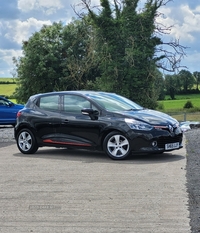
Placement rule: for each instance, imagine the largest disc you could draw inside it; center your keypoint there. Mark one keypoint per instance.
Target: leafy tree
(40, 69)
(187, 80)
(159, 85)
(80, 65)
(56, 58)
(127, 46)
(117, 49)
(196, 75)
(172, 85)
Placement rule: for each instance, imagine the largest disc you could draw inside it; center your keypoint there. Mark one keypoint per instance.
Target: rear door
(46, 117)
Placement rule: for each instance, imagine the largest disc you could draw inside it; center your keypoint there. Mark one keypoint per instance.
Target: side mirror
(93, 114)
(10, 104)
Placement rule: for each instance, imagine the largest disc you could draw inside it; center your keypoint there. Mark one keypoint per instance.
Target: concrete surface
(57, 190)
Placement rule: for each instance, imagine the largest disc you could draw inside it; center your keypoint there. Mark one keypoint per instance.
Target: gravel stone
(6, 135)
(193, 177)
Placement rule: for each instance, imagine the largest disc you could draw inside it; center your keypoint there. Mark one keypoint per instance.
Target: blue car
(8, 111)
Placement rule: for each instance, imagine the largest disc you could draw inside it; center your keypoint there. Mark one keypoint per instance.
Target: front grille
(165, 140)
(168, 128)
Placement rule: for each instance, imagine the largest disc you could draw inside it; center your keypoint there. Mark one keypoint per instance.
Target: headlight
(139, 125)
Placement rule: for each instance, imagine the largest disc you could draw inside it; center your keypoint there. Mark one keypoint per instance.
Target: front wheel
(116, 146)
(26, 142)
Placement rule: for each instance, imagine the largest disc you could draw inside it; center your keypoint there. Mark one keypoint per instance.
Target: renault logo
(170, 128)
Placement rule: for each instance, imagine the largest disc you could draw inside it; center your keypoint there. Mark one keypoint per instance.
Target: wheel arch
(24, 126)
(109, 131)
(26, 141)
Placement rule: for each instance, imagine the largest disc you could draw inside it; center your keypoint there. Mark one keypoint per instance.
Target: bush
(188, 104)
(160, 106)
(7, 82)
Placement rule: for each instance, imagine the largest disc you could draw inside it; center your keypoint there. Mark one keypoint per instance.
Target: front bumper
(155, 141)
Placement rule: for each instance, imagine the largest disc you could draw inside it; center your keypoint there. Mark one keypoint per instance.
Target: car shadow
(86, 156)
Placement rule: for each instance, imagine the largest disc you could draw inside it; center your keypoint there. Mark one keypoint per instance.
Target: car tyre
(26, 142)
(116, 146)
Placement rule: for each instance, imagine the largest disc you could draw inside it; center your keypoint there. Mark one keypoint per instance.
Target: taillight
(19, 114)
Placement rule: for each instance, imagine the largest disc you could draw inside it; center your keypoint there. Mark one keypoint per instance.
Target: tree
(127, 46)
(80, 64)
(187, 80)
(56, 58)
(196, 75)
(40, 69)
(172, 85)
(159, 85)
(117, 49)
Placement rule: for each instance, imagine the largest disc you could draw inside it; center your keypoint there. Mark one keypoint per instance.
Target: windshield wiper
(133, 109)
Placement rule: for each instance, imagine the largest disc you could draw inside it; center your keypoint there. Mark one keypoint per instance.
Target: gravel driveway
(193, 177)
(193, 169)
(6, 135)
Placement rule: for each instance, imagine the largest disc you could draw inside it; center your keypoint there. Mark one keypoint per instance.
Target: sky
(19, 19)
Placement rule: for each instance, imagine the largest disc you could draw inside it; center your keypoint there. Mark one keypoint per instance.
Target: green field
(176, 108)
(7, 79)
(178, 104)
(7, 89)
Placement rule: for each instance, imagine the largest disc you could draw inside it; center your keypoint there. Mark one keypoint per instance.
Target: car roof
(2, 97)
(82, 92)
(73, 91)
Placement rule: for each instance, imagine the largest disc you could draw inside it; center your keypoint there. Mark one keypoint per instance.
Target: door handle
(65, 121)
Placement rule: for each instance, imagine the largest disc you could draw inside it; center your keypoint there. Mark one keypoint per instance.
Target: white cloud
(25, 5)
(183, 20)
(191, 20)
(19, 31)
(92, 2)
(197, 10)
(49, 6)
(8, 54)
(7, 61)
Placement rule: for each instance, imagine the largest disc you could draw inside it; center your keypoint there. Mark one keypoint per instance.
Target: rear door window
(49, 103)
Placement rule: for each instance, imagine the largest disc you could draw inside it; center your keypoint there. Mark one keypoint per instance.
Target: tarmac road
(56, 190)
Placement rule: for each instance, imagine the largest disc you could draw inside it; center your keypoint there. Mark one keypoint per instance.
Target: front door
(77, 129)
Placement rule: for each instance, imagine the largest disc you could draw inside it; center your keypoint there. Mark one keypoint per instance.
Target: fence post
(185, 117)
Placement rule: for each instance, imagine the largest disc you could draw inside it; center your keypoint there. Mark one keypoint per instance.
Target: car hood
(151, 117)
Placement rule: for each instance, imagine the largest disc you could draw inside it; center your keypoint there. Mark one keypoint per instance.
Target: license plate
(171, 146)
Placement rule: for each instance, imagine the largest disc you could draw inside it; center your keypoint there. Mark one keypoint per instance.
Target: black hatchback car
(94, 120)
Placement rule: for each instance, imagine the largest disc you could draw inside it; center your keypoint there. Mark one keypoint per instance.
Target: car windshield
(5, 102)
(114, 102)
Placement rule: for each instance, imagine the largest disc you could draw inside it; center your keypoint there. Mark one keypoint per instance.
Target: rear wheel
(116, 145)
(26, 142)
